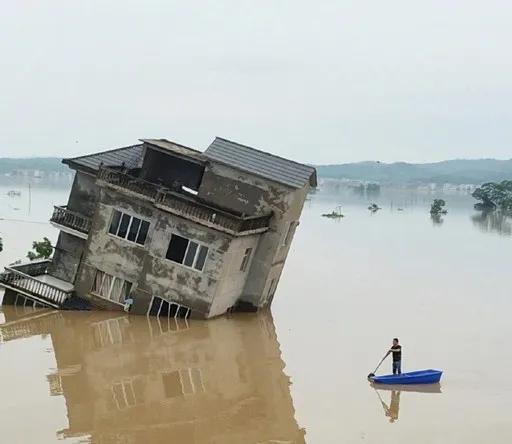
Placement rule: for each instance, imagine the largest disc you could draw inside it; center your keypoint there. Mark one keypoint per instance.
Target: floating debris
(334, 214)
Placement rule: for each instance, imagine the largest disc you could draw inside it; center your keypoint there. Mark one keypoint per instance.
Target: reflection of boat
(429, 376)
(391, 410)
(420, 388)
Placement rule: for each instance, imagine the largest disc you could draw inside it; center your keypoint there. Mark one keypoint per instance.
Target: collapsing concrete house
(162, 229)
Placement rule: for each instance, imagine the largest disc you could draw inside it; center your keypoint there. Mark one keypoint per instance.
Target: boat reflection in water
(135, 379)
(392, 410)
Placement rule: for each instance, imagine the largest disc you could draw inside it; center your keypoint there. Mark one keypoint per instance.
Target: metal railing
(186, 206)
(203, 213)
(24, 278)
(63, 216)
(128, 182)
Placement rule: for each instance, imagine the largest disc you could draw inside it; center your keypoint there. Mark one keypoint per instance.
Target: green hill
(459, 171)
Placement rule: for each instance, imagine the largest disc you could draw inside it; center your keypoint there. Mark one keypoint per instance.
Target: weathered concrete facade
(159, 228)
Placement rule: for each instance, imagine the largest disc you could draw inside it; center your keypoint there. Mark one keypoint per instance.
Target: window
(129, 227)
(187, 252)
(245, 259)
(110, 287)
(168, 309)
(289, 234)
(183, 382)
(128, 393)
(271, 290)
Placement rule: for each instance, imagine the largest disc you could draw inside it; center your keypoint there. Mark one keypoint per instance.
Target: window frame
(200, 246)
(287, 239)
(188, 311)
(112, 284)
(246, 259)
(132, 216)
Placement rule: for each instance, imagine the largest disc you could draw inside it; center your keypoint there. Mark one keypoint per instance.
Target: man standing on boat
(396, 349)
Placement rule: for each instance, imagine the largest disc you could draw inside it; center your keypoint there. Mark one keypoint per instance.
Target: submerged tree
(494, 195)
(437, 207)
(42, 249)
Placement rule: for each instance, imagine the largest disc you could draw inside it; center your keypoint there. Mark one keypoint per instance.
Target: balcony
(188, 207)
(70, 222)
(34, 283)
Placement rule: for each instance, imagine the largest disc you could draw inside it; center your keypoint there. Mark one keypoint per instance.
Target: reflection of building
(137, 379)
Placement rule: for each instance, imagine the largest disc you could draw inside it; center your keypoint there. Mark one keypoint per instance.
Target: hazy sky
(319, 81)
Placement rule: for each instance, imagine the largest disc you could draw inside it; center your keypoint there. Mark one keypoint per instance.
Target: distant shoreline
(458, 171)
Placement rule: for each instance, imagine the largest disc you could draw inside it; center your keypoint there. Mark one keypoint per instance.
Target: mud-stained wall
(67, 256)
(146, 266)
(232, 281)
(241, 192)
(249, 194)
(84, 194)
(273, 250)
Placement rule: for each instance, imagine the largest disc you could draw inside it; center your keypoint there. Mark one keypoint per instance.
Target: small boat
(429, 376)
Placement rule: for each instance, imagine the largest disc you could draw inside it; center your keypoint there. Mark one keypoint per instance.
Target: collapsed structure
(162, 229)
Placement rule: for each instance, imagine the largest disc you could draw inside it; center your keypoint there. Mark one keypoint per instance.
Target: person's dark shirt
(397, 352)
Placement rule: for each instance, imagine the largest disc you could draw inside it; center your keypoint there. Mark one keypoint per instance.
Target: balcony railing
(185, 206)
(27, 279)
(70, 219)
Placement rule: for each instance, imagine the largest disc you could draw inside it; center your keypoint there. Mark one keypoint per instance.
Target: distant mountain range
(9, 165)
(449, 171)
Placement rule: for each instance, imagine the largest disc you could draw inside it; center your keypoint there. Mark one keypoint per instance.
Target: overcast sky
(318, 81)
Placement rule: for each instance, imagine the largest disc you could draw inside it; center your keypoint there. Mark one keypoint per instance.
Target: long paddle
(371, 375)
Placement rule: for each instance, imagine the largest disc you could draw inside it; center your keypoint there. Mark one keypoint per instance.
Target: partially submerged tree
(42, 249)
(437, 207)
(494, 195)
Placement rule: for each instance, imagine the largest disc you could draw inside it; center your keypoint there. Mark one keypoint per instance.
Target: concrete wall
(67, 256)
(146, 266)
(232, 281)
(250, 194)
(69, 248)
(84, 194)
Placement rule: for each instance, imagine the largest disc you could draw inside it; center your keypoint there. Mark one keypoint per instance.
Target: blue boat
(429, 376)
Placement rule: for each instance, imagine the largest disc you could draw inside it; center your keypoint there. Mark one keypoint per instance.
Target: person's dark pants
(397, 367)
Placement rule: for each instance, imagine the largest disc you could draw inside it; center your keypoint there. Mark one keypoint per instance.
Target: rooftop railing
(70, 219)
(186, 206)
(128, 182)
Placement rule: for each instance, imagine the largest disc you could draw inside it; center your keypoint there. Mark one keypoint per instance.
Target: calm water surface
(298, 374)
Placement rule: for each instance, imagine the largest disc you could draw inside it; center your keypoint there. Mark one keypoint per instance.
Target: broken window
(186, 252)
(245, 259)
(168, 309)
(129, 227)
(110, 287)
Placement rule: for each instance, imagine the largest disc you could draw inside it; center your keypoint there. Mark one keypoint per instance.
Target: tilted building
(162, 229)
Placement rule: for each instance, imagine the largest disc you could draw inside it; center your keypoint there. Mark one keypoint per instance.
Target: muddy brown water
(296, 374)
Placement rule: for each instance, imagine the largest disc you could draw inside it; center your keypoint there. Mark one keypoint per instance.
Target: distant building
(162, 229)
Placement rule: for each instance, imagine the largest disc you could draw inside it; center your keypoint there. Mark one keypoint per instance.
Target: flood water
(297, 374)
